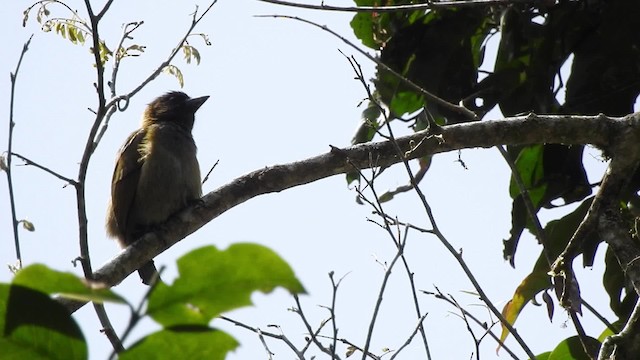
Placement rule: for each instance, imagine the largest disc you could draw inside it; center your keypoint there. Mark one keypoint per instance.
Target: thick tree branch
(625, 157)
(598, 130)
(623, 345)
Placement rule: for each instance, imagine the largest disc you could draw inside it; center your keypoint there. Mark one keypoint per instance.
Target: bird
(156, 173)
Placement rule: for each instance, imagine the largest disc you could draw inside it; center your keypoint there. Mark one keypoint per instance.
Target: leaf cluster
(34, 325)
(443, 51)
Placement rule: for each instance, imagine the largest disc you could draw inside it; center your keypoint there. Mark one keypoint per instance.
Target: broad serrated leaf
(182, 342)
(52, 282)
(362, 25)
(213, 281)
(33, 326)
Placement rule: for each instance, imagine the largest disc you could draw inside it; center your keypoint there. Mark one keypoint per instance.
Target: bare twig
(399, 8)
(419, 327)
(128, 29)
(194, 22)
(416, 305)
(332, 311)
(206, 177)
(7, 166)
(402, 155)
(400, 244)
(312, 334)
(600, 317)
(263, 333)
(439, 295)
(429, 96)
(30, 162)
(463, 315)
(137, 314)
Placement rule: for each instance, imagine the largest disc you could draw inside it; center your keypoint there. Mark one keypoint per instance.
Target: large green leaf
(53, 282)
(213, 281)
(183, 342)
(33, 326)
(572, 349)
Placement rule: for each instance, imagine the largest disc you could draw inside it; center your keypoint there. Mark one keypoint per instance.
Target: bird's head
(175, 107)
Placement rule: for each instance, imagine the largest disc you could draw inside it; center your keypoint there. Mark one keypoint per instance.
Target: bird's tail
(148, 273)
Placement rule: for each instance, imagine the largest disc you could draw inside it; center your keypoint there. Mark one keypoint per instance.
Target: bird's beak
(195, 103)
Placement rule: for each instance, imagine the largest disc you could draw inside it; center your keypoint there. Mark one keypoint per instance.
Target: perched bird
(157, 173)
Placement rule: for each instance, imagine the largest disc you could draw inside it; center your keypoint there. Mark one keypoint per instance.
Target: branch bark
(600, 131)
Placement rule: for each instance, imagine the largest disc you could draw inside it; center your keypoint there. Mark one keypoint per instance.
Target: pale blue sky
(280, 91)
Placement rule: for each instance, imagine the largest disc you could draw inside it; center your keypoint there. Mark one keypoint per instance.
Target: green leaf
(543, 356)
(213, 281)
(183, 342)
(33, 326)
(41, 278)
(362, 25)
(618, 325)
(406, 102)
(530, 167)
(368, 124)
(571, 349)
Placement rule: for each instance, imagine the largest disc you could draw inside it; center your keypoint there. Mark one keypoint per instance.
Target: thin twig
(476, 342)
(400, 8)
(436, 230)
(281, 337)
(419, 327)
(542, 238)
(429, 96)
(14, 218)
(441, 296)
(312, 334)
(195, 20)
(206, 177)
(416, 305)
(264, 344)
(83, 235)
(30, 162)
(600, 317)
(400, 244)
(137, 313)
(332, 311)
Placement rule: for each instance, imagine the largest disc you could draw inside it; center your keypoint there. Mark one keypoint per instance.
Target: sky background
(280, 92)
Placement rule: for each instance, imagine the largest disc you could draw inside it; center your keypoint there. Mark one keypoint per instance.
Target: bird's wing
(125, 178)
